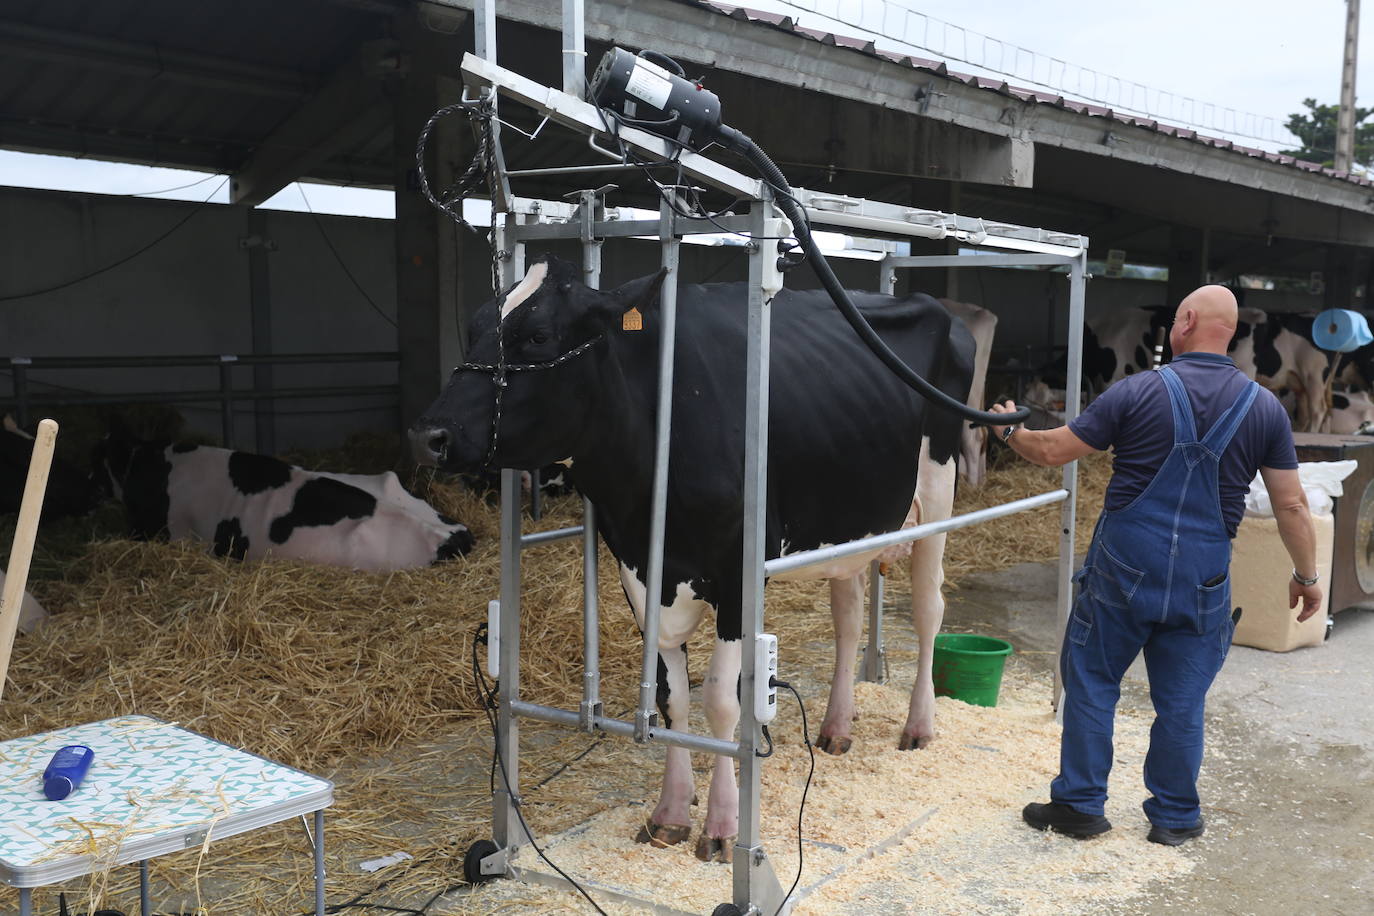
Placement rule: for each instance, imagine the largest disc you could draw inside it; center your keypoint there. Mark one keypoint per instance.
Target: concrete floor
(1288, 784)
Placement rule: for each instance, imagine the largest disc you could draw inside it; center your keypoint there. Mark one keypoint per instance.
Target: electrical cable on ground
(489, 703)
(801, 809)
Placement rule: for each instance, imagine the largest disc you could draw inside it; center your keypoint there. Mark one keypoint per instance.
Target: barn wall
(190, 294)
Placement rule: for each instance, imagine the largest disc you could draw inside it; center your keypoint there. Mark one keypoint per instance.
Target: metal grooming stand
(756, 888)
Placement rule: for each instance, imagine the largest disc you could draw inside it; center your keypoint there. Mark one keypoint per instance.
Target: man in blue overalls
(1186, 443)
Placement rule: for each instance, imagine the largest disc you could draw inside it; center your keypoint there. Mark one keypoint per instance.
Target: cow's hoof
(835, 746)
(663, 835)
(716, 849)
(912, 743)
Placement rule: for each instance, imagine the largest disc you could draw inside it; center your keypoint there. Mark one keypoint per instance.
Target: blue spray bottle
(66, 770)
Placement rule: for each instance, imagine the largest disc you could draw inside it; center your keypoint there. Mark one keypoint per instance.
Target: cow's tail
(740, 143)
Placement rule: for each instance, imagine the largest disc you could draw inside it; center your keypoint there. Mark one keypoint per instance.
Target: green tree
(1317, 131)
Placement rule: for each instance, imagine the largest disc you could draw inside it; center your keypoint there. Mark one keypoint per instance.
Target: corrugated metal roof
(864, 46)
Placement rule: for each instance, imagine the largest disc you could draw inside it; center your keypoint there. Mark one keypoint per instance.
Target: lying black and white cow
(247, 506)
(847, 440)
(69, 491)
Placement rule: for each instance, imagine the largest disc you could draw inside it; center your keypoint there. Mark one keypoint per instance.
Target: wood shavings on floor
(947, 819)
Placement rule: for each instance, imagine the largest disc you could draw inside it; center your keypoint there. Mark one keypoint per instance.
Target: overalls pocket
(1213, 598)
(1112, 581)
(1081, 618)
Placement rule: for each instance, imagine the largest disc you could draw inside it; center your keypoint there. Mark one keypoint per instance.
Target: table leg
(25, 901)
(143, 887)
(319, 862)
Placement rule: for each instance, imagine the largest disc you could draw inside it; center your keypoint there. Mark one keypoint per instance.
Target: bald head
(1204, 321)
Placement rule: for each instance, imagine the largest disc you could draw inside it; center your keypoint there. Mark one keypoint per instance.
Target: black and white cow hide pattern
(69, 491)
(249, 506)
(854, 453)
(1121, 341)
(973, 441)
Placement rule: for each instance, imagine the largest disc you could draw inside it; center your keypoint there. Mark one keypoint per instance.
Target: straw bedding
(366, 679)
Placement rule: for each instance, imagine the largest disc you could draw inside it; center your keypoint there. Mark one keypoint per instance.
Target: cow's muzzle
(429, 445)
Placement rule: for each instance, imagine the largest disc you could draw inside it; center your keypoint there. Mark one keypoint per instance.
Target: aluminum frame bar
(795, 561)
(613, 726)
(590, 206)
(754, 881)
(874, 655)
(548, 537)
(982, 260)
(1073, 391)
(645, 714)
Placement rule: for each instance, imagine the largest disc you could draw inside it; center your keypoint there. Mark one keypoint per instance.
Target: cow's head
(552, 341)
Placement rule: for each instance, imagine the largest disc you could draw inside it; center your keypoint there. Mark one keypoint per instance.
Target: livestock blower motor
(650, 91)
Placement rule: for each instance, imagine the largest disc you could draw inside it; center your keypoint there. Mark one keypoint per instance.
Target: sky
(1258, 56)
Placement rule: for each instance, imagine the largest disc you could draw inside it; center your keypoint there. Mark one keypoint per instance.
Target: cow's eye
(537, 338)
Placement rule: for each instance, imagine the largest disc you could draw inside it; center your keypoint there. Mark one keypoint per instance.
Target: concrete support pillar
(1187, 270)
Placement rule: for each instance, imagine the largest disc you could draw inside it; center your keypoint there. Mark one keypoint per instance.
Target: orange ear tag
(632, 321)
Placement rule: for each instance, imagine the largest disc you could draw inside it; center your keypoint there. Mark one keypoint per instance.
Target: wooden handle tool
(25, 532)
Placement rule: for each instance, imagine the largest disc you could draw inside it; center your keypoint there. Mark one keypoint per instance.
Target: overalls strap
(1222, 431)
(1184, 429)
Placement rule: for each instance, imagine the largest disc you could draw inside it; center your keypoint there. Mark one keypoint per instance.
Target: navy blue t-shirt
(1134, 419)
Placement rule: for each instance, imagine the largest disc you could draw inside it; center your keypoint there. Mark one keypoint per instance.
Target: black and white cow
(846, 438)
(1121, 341)
(247, 506)
(973, 443)
(1286, 360)
(69, 491)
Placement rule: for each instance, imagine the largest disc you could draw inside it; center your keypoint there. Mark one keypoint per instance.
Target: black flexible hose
(741, 144)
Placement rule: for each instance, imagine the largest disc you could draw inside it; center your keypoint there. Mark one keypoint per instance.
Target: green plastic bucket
(969, 667)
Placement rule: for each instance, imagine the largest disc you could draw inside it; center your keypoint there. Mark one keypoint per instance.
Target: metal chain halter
(499, 370)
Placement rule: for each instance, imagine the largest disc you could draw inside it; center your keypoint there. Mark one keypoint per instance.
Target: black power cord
(739, 143)
(489, 704)
(801, 809)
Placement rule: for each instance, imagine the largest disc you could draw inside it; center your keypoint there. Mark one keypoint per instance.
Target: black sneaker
(1065, 820)
(1175, 836)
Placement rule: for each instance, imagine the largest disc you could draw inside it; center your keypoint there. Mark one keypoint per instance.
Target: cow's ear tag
(632, 320)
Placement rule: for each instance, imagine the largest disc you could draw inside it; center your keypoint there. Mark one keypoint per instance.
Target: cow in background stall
(247, 506)
(69, 490)
(1121, 342)
(1287, 362)
(973, 441)
(854, 453)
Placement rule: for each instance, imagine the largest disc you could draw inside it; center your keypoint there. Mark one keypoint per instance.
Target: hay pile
(366, 679)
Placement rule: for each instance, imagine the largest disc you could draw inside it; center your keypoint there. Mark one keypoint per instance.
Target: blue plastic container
(66, 770)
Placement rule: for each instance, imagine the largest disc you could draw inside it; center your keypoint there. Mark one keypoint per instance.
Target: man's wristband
(1006, 433)
(1303, 580)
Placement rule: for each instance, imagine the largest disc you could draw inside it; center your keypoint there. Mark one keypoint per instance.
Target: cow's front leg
(846, 610)
(671, 822)
(721, 697)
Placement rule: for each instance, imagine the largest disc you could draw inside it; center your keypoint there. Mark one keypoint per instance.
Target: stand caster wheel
(1330, 625)
(472, 862)
(727, 909)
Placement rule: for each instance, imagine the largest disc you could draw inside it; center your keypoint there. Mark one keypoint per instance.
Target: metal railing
(23, 400)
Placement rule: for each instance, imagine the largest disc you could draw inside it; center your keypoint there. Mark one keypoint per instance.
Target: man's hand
(1005, 407)
(1309, 595)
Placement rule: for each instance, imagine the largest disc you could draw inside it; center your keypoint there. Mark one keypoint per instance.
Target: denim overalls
(1156, 577)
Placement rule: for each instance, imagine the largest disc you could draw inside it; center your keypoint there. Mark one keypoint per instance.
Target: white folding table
(153, 788)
